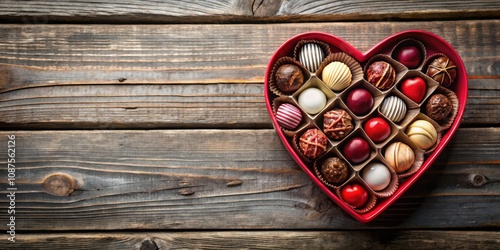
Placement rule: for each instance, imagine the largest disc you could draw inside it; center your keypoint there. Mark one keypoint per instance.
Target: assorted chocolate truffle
(381, 75)
(443, 70)
(438, 107)
(393, 108)
(311, 55)
(313, 143)
(409, 55)
(288, 116)
(376, 175)
(289, 78)
(312, 100)
(399, 156)
(337, 76)
(356, 150)
(360, 101)
(337, 123)
(414, 88)
(377, 129)
(334, 170)
(354, 194)
(422, 133)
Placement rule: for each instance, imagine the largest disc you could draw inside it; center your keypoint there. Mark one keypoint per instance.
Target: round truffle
(311, 55)
(438, 107)
(312, 100)
(337, 76)
(443, 70)
(288, 116)
(334, 170)
(422, 133)
(313, 143)
(377, 128)
(289, 78)
(399, 156)
(377, 176)
(393, 108)
(356, 150)
(337, 123)
(409, 55)
(359, 101)
(381, 75)
(354, 194)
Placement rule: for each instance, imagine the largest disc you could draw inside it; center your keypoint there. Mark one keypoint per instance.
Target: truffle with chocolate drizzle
(313, 143)
(337, 123)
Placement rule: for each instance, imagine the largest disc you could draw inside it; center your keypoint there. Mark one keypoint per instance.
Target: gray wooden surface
(156, 136)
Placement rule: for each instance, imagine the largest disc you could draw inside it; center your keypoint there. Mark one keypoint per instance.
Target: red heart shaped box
(433, 43)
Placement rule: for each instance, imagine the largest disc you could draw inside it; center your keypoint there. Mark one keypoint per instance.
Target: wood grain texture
(227, 179)
(380, 239)
(189, 11)
(179, 76)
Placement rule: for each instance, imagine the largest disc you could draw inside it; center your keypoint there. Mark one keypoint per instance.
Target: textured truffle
(288, 116)
(334, 170)
(289, 78)
(337, 124)
(438, 107)
(337, 76)
(311, 55)
(393, 108)
(422, 133)
(443, 70)
(399, 156)
(381, 75)
(313, 143)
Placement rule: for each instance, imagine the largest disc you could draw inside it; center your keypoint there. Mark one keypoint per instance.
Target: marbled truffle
(311, 55)
(438, 107)
(334, 170)
(337, 123)
(399, 156)
(289, 78)
(313, 143)
(381, 75)
(443, 70)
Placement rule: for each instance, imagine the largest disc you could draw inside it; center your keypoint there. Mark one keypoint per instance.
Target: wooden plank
(380, 239)
(148, 11)
(62, 77)
(224, 179)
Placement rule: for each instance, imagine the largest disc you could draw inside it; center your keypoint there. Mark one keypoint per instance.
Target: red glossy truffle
(410, 56)
(354, 194)
(359, 101)
(414, 88)
(356, 150)
(377, 129)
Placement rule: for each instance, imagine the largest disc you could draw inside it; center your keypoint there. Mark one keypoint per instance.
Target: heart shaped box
(433, 45)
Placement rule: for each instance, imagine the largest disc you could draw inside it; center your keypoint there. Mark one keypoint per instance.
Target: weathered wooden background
(150, 118)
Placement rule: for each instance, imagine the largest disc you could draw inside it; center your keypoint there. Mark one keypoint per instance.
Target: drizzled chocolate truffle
(381, 75)
(443, 70)
(334, 170)
(438, 107)
(337, 124)
(313, 143)
(289, 78)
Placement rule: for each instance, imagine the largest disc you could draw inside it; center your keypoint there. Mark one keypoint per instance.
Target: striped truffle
(422, 133)
(311, 55)
(337, 76)
(393, 108)
(288, 116)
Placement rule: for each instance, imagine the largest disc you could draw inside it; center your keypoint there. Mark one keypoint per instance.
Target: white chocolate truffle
(337, 76)
(312, 100)
(377, 176)
(422, 133)
(393, 108)
(400, 156)
(311, 55)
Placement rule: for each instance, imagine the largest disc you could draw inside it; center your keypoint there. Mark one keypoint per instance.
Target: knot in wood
(477, 179)
(59, 184)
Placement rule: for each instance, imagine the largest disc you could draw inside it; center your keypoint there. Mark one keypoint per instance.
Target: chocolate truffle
(311, 55)
(312, 100)
(288, 116)
(443, 70)
(313, 143)
(399, 156)
(337, 76)
(360, 101)
(289, 78)
(377, 176)
(409, 55)
(381, 75)
(356, 150)
(438, 107)
(334, 170)
(393, 108)
(337, 124)
(422, 133)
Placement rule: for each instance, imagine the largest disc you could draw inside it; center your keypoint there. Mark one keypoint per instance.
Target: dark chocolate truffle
(381, 75)
(289, 78)
(313, 143)
(438, 107)
(334, 170)
(443, 70)
(337, 124)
